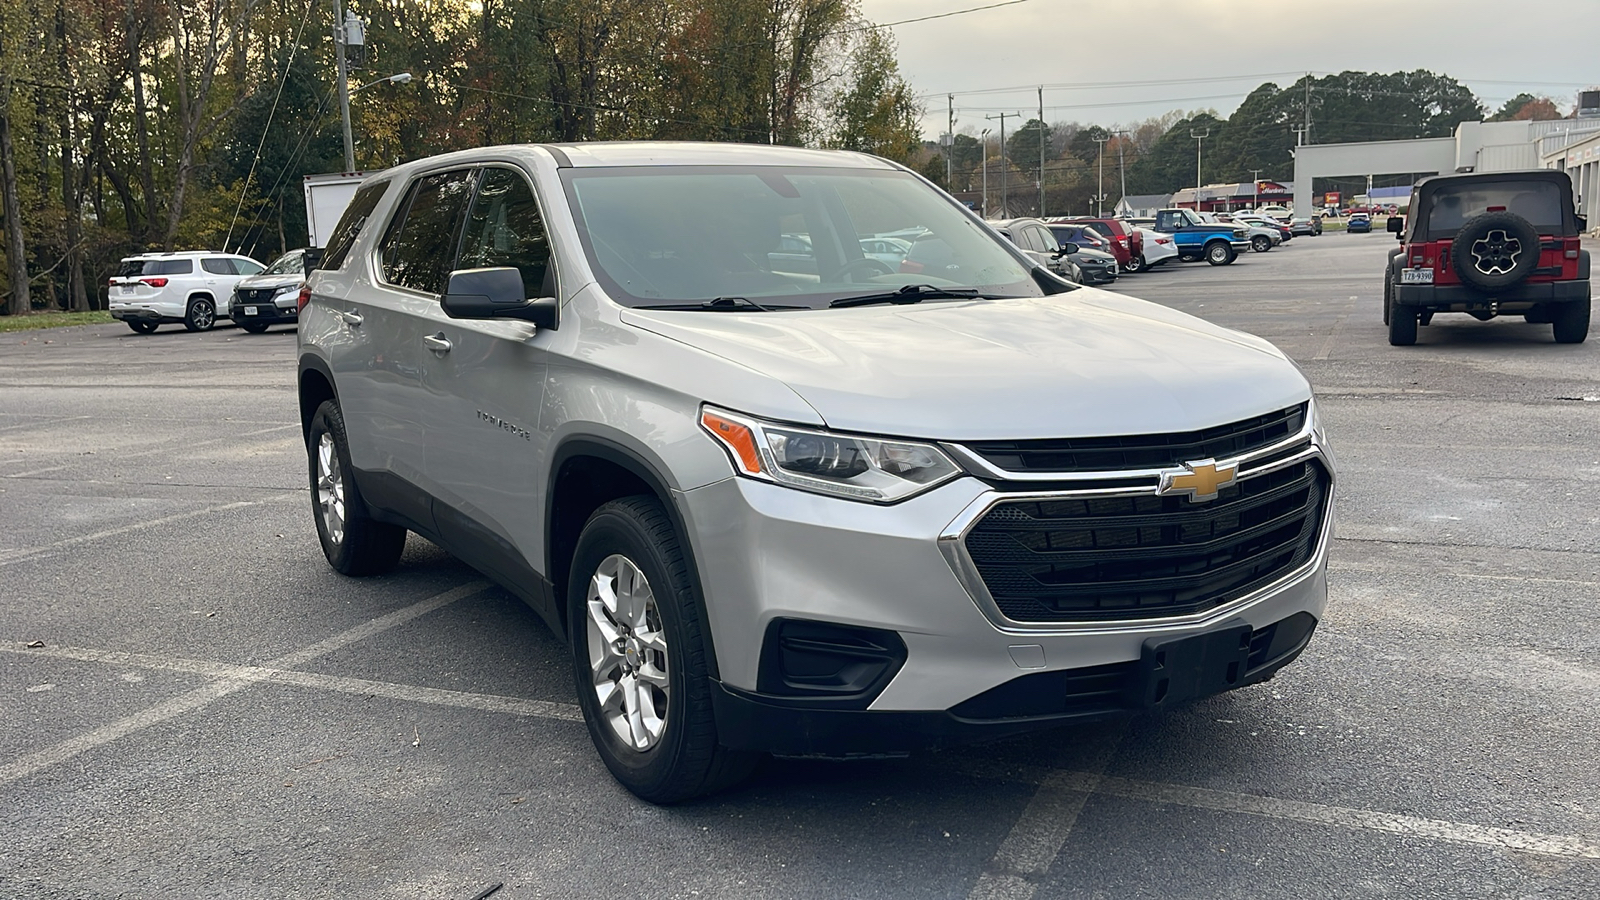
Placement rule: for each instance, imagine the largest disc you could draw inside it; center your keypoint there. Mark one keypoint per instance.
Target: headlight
(1317, 434)
(840, 465)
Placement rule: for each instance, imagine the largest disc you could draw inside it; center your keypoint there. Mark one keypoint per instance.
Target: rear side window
(419, 249)
(505, 229)
(218, 265)
(349, 227)
(132, 268)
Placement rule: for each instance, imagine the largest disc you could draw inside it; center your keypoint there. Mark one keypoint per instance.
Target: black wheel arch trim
(314, 363)
(581, 445)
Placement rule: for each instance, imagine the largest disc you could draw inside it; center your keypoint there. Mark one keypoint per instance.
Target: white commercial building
(1476, 147)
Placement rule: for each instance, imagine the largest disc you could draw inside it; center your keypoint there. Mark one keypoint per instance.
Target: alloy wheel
(627, 653)
(330, 488)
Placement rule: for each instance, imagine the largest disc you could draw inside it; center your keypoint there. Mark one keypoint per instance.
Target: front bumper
(1102, 275)
(1461, 298)
(266, 312)
(768, 552)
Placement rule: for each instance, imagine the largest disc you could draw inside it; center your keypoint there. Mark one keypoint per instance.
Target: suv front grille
(1138, 557)
(1143, 451)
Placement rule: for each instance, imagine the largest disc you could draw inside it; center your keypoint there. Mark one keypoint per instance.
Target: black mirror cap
(496, 293)
(310, 258)
(1397, 224)
(1069, 248)
(1583, 222)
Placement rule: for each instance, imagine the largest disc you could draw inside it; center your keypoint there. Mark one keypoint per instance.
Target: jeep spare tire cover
(1495, 251)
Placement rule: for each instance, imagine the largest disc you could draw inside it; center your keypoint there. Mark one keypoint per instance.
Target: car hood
(1078, 364)
(259, 282)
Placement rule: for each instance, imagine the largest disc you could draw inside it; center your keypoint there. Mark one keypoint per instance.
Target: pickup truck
(1218, 243)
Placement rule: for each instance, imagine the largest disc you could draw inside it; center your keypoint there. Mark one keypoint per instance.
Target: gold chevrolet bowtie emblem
(1200, 480)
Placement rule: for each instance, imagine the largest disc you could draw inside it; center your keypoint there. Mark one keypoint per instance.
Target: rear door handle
(436, 343)
(351, 317)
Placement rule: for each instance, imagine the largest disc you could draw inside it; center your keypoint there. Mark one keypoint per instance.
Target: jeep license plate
(249, 310)
(1416, 276)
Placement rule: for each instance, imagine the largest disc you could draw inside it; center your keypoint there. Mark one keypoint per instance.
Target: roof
(1147, 201)
(692, 153)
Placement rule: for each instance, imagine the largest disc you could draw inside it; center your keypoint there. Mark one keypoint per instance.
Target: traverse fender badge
(1199, 480)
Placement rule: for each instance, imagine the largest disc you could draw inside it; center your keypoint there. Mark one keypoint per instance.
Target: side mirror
(310, 259)
(1583, 222)
(496, 293)
(1069, 248)
(1397, 224)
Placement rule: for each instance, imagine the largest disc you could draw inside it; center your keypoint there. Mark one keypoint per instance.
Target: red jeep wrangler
(1488, 244)
(1127, 244)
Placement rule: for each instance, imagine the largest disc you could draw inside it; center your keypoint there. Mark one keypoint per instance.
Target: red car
(1127, 245)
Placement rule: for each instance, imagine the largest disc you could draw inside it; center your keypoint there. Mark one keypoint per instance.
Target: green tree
(1023, 146)
(876, 111)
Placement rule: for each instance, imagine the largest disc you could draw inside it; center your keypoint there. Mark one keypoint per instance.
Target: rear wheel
(1134, 264)
(1570, 323)
(353, 541)
(1219, 253)
(142, 327)
(202, 315)
(1402, 325)
(639, 657)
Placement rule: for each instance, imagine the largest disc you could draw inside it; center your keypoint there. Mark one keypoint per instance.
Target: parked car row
(195, 288)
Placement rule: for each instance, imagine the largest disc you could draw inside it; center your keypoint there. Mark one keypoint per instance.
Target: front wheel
(639, 657)
(252, 327)
(1219, 254)
(140, 326)
(1261, 243)
(201, 316)
(1571, 322)
(353, 541)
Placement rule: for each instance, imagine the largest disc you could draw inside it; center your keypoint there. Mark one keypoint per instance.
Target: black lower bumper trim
(750, 721)
(1444, 297)
(141, 315)
(277, 316)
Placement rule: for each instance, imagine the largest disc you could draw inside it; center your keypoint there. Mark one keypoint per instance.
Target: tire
(1402, 326)
(252, 327)
(1219, 253)
(1187, 257)
(1388, 299)
(1135, 264)
(142, 327)
(665, 748)
(1261, 243)
(354, 543)
(201, 316)
(1570, 322)
(1495, 251)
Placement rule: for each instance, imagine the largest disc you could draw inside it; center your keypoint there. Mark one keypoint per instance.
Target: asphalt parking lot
(195, 705)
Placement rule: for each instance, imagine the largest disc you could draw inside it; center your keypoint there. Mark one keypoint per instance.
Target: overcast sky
(1214, 52)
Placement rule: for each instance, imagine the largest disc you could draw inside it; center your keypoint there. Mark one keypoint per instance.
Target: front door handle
(436, 343)
(351, 317)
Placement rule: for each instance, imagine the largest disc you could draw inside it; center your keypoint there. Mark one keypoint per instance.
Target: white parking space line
(1026, 853)
(1042, 830)
(201, 696)
(1390, 570)
(25, 553)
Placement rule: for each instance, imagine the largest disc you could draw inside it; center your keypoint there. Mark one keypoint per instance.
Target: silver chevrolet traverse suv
(799, 501)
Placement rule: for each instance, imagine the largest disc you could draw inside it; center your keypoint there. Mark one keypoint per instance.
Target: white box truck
(326, 198)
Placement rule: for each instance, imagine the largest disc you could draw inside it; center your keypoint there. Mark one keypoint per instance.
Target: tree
(1527, 107)
(1170, 163)
(876, 111)
(1023, 146)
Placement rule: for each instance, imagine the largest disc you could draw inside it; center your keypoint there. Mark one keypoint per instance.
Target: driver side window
(504, 228)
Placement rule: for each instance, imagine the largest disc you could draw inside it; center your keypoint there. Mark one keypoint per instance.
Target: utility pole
(983, 140)
(1041, 151)
(1308, 107)
(344, 84)
(1199, 137)
(950, 148)
(1255, 174)
(1120, 166)
(1100, 180)
(1004, 199)
(1299, 135)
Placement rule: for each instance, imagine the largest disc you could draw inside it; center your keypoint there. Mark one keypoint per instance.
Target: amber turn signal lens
(737, 438)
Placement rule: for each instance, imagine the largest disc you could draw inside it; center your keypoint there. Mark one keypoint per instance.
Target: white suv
(153, 288)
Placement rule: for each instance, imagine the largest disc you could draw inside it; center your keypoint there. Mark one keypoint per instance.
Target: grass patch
(53, 320)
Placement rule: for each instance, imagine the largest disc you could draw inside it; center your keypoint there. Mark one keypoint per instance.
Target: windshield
(782, 236)
(1537, 201)
(287, 264)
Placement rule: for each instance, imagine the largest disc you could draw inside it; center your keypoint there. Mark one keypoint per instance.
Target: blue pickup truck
(1218, 243)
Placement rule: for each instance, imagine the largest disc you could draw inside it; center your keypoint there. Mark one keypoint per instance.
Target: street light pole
(983, 140)
(1100, 180)
(1256, 175)
(1199, 136)
(1004, 199)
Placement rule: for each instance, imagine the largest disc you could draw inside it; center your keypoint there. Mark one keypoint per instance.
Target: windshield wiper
(914, 293)
(721, 304)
